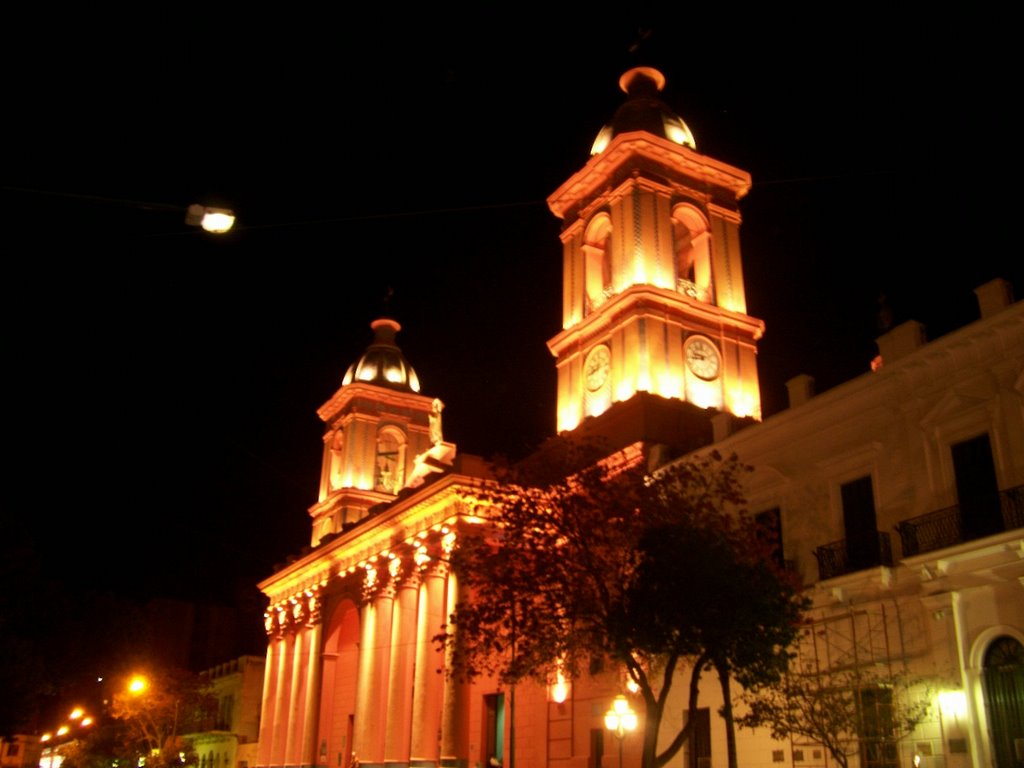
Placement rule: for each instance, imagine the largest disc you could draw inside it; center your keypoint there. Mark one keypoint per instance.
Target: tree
(651, 571)
(847, 711)
(158, 709)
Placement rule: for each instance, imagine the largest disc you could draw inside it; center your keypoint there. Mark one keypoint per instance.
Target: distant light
(62, 730)
(76, 713)
(216, 220)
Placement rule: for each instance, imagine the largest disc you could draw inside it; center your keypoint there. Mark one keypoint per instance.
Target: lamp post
(620, 719)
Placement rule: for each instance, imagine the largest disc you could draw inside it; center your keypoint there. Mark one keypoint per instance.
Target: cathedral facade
(897, 497)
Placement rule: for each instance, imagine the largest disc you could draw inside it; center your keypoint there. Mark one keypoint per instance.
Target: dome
(383, 363)
(644, 110)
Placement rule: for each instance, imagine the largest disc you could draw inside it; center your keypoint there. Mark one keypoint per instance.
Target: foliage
(173, 703)
(609, 561)
(844, 710)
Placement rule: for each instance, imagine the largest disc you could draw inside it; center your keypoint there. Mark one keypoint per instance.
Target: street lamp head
(137, 685)
(620, 718)
(217, 220)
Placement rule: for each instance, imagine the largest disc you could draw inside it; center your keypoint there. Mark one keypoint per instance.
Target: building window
(862, 538)
(769, 524)
(698, 746)
(596, 759)
(597, 262)
(877, 729)
(977, 491)
(494, 728)
(692, 243)
(389, 469)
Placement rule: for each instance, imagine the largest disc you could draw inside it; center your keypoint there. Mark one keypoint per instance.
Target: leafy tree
(653, 572)
(846, 711)
(155, 716)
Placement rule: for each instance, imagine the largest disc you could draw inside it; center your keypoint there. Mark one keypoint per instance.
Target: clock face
(702, 358)
(595, 369)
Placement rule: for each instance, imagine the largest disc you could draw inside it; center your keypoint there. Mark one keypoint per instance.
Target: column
(314, 674)
(427, 689)
(455, 707)
(372, 686)
(266, 716)
(296, 699)
(281, 701)
(364, 680)
(398, 732)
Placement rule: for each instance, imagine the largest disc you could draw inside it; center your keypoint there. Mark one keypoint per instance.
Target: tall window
(389, 470)
(692, 242)
(597, 264)
(494, 728)
(877, 729)
(769, 525)
(862, 550)
(698, 746)
(977, 491)
(596, 748)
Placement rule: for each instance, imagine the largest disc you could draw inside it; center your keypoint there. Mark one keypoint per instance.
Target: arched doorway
(1003, 678)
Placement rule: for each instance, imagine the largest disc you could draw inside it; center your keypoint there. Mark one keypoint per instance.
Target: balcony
(945, 527)
(849, 555)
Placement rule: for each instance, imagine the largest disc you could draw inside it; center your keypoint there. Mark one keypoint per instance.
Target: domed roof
(383, 363)
(644, 110)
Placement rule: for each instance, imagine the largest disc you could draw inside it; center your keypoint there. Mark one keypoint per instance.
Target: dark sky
(162, 384)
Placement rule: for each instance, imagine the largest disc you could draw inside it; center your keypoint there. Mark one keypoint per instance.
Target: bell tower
(381, 435)
(652, 295)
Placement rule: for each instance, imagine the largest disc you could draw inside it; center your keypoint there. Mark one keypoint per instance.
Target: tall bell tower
(653, 298)
(381, 436)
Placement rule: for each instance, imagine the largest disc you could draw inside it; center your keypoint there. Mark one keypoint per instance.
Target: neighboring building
(230, 741)
(657, 351)
(900, 500)
(20, 751)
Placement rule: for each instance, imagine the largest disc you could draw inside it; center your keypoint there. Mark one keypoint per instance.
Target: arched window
(1004, 699)
(389, 468)
(692, 243)
(597, 266)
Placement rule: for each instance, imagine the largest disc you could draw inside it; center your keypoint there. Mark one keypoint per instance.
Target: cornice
(639, 144)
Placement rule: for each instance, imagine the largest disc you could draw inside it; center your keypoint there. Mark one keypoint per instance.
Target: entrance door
(1004, 701)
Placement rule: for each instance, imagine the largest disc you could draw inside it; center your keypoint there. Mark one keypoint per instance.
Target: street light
(619, 720)
(216, 220)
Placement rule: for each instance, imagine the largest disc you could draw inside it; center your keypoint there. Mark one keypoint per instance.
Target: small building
(230, 741)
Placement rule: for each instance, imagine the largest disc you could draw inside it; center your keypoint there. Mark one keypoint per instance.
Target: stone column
(364, 678)
(266, 719)
(455, 707)
(296, 697)
(372, 685)
(314, 674)
(281, 699)
(427, 690)
(398, 732)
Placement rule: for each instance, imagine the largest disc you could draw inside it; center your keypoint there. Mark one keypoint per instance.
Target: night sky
(162, 385)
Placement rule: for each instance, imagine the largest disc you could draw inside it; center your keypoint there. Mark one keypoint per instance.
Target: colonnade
(381, 695)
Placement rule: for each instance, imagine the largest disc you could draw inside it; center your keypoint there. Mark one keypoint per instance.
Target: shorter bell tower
(653, 297)
(381, 435)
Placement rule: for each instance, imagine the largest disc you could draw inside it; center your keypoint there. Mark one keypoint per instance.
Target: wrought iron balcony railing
(945, 527)
(849, 555)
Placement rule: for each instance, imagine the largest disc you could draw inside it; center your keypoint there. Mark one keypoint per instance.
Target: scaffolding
(851, 657)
